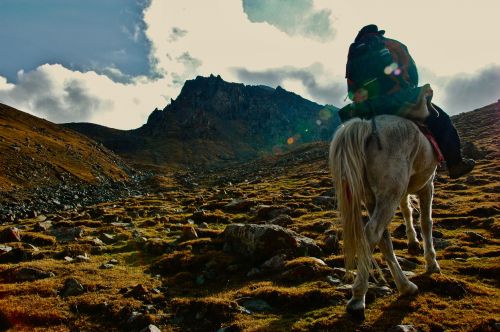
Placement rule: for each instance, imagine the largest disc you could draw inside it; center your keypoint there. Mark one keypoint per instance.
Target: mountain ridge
(214, 121)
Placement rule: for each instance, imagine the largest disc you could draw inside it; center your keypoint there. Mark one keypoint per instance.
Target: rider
(403, 74)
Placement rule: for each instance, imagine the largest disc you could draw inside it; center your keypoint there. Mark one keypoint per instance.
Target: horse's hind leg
(379, 220)
(425, 196)
(413, 245)
(405, 286)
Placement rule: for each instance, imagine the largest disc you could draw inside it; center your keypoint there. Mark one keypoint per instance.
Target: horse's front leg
(425, 196)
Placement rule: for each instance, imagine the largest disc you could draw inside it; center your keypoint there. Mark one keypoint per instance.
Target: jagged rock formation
(213, 120)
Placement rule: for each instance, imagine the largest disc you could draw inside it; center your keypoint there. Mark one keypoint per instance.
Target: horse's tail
(347, 165)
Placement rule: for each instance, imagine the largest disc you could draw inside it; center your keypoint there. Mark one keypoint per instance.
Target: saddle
(411, 103)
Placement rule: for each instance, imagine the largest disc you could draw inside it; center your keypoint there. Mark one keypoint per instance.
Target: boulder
(260, 242)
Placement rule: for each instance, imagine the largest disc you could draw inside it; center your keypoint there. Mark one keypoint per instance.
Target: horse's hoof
(432, 269)
(410, 289)
(356, 308)
(414, 248)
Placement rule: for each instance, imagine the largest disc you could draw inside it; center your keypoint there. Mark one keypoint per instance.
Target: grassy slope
(465, 297)
(34, 151)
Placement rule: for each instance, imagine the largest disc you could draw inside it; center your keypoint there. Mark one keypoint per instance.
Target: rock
(139, 292)
(107, 238)
(106, 266)
(150, 328)
(43, 226)
(406, 264)
(10, 234)
(333, 281)
(67, 234)
(26, 274)
(440, 243)
(239, 205)
(274, 263)
(266, 212)
(4, 249)
(331, 244)
(475, 237)
(110, 218)
(83, 258)
(254, 305)
(260, 242)
(403, 328)
(72, 287)
(281, 220)
(188, 233)
(325, 201)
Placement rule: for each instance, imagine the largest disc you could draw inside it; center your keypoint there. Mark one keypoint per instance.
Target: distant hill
(213, 120)
(35, 152)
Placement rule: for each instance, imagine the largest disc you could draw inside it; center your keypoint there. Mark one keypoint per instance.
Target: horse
(379, 172)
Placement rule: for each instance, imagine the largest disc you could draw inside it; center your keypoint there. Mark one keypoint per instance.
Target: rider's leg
(449, 142)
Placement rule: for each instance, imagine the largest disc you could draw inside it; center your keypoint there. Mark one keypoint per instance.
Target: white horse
(382, 179)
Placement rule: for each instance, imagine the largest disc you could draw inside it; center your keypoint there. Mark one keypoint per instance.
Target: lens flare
(391, 68)
(290, 140)
(318, 122)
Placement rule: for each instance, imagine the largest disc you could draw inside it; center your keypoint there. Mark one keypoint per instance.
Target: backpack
(366, 61)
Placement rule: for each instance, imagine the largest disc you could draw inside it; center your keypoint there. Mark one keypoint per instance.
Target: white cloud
(62, 95)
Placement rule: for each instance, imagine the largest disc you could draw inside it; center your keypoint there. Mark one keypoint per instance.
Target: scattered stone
(274, 263)
(26, 274)
(4, 249)
(333, 281)
(106, 266)
(325, 201)
(109, 218)
(113, 261)
(139, 292)
(188, 233)
(43, 226)
(107, 238)
(260, 242)
(68, 259)
(282, 220)
(151, 328)
(266, 212)
(83, 258)
(30, 247)
(403, 328)
(255, 271)
(406, 264)
(72, 287)
(440, 244)
(331, 244)
(67, 234)
(239, 205)
(475, 237)
(10, 234)
(254, 305)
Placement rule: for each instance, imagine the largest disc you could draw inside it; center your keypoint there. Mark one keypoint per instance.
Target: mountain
(36, 152)
(213, 120)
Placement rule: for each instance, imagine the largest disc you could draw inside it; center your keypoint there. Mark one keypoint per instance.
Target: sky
(112, 62)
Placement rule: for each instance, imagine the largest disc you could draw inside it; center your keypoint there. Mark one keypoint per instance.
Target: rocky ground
(254, 247)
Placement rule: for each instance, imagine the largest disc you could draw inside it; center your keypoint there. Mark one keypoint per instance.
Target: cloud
(296, 18)
(176, 33)
(62, 95)
(465, 92)
(329, 90)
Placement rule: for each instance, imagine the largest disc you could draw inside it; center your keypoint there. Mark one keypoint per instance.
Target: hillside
(172, 258)
(36, 152)
(216, 121)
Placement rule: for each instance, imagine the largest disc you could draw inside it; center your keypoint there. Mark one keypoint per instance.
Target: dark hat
(370, 28)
